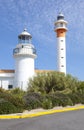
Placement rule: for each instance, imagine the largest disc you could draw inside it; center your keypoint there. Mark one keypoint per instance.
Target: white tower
(60, 29)
(24, 55)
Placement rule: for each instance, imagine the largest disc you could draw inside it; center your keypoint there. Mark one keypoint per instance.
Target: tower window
(62, 48)
(61, 40)
(62, 57)
(62, 65)
(10, 86)
(22, 46)
(61, 24)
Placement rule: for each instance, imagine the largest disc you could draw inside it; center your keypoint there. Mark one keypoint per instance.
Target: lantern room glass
(24, 39)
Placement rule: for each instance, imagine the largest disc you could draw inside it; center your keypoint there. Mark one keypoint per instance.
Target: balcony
(24, 51)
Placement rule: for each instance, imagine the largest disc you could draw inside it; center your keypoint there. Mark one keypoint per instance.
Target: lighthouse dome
(24, 37)
(60, 16)
(25, 34)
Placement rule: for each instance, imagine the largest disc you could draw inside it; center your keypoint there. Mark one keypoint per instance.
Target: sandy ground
(55, 108)
(44, 110)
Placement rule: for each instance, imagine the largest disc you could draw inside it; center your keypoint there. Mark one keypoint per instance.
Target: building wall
(6, 79)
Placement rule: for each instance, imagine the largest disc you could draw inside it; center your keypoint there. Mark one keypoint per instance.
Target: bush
(17, 92)
(65, 101)
(75, 98)
(2, 90)
(6, 107)
(54, 99)
(47, 103)
(81, 97)
(33, 100)
(47, 82)
(12, 99)
(15, 104)
(59, 99)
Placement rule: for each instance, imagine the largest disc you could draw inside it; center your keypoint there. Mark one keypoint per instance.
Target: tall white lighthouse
(61, 29)
(24, 55)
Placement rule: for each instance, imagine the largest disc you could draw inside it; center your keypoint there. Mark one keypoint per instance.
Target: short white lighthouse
(24, 55)
(60, 29)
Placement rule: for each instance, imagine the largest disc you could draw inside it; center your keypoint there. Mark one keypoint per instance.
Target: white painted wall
(61, 54)
(24, 69)
(6, 79)
(24, 64)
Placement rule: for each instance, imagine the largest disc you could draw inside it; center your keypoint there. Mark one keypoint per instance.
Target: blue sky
(38, 16)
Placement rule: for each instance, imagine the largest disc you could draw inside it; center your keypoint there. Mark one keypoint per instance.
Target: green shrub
(6, 107)
(47, 104)
(2, 90)
(18, 102)
(54, 100)
(65, 101)
(75, 98)
(49, 82)
(59, 99)
(80, 96)
(33, 100)
(17, 92)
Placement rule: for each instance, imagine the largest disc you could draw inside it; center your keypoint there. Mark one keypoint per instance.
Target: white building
(6, 79)
(25, 54)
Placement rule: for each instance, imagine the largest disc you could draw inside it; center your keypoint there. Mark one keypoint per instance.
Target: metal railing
(24, 51)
